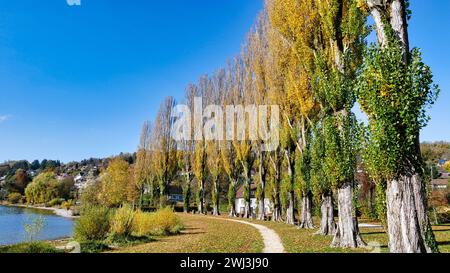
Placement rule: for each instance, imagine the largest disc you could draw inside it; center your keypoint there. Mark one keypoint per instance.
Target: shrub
(67, 204)
(93, 247)
(121, 221)
(93, 224)
(55, 202)
(14, 197)
(167, 221)
(30, 248)
(162, 222)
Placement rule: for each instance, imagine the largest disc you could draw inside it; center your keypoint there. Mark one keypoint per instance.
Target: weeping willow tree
(395, 89)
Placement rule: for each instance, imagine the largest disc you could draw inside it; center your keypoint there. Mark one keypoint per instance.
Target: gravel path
(272, 242)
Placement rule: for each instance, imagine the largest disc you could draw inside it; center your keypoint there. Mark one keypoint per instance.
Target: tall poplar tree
(396, 87)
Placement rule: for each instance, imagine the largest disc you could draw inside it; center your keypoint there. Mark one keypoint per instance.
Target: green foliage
(395, 96)
(231, 195)
(302, 171)
(93, 247)
(380, 203)
(187, 197)
(93, 224)
(55, 202)
(30, 248)
(341, 137)
(319, 180)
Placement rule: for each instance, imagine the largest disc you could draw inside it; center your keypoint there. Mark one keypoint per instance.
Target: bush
(14, 198)
(93, 224)
(162, 222)
(93, 247)
(67, 204)
(55, 202)
(121, 221)
(30, 248)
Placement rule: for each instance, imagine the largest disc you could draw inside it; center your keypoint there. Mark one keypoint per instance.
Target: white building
(240, 202)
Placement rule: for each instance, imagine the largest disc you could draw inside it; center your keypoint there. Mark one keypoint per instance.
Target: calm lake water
(12, 222)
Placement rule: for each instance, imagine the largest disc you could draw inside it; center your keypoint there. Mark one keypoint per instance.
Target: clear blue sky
(78, 82)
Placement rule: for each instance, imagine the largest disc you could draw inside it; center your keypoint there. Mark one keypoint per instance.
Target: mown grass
(204, 235)
(304, 241)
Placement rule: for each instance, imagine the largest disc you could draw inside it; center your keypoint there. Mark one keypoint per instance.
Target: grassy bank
(204, 235)
(304, 241)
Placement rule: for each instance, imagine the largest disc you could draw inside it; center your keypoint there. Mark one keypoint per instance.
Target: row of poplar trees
(311, 57)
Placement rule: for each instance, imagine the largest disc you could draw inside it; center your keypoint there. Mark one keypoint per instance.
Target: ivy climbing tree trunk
(327, 223)
(409, 228)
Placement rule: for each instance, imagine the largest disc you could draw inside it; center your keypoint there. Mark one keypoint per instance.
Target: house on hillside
(441, 162)
(240, 202)
(439, 184)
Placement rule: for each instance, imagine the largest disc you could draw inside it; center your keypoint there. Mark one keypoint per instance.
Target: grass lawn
(204, 235)
(304, 241)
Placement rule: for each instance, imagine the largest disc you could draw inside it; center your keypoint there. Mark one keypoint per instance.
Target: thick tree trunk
(347, 233)
(392, 12)
(290, 217)
(327, 224)
(408, 224)
(306, 221)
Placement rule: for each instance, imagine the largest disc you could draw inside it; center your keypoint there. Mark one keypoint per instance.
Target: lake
(12, 222)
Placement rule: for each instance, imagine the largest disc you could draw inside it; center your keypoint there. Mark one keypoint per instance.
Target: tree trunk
(327, 224)
(262, 198)
(248, 207)
(201, 204)
(232, 198)
(290, 217)
(306, 215)
(347, 233)
(216, 205)
(409, 228)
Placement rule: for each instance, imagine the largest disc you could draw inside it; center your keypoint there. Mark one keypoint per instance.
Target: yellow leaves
(385, 90)
(362, 5)
(447, 166)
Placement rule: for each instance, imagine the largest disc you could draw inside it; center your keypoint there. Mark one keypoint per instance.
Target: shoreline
(58, 212)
